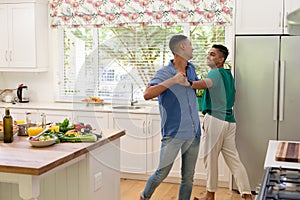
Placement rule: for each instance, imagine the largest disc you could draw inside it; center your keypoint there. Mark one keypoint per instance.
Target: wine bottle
(8, 127)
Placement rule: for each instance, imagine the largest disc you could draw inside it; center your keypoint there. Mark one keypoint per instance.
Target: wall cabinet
(263, 17)
(24, 37)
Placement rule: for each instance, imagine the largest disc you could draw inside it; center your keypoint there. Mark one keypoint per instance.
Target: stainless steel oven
(280, 184)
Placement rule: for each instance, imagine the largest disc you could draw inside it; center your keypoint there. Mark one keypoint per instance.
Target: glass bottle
(8, 127)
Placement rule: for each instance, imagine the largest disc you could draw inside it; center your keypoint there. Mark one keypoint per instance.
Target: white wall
(42, 85)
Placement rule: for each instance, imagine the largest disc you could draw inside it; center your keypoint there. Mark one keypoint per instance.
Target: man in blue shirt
(180, 126)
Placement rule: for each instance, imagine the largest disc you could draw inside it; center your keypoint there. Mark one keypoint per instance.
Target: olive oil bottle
(8, 127)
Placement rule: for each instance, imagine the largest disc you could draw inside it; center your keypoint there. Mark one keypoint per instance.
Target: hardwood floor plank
(130, 190)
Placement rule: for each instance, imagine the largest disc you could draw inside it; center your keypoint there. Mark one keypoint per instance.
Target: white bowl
(46, 143)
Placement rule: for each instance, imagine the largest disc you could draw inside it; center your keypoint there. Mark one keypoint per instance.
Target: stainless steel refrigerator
(267, 105)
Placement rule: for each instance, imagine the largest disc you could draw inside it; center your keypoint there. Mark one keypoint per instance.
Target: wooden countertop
(20, 157)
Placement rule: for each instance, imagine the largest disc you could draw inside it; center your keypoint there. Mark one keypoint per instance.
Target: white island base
(88, 172)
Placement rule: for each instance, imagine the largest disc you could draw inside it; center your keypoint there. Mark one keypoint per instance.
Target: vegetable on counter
(83, 138)
(77, 132)
(65, 126)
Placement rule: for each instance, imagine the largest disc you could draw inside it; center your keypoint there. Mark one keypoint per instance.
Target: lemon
(54, 128)
(33, 131)
(21, 121)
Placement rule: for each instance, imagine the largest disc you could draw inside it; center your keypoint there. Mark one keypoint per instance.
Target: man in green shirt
(219, 125)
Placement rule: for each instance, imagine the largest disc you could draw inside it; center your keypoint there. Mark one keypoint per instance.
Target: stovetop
(280, 184)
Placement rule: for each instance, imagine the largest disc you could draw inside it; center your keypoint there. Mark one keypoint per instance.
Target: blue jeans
(169, 150)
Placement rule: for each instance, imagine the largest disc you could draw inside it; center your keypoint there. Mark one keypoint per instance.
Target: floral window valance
(98, 13)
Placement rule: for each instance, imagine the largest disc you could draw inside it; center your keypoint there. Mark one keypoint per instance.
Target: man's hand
(155, 90)
(181, 79)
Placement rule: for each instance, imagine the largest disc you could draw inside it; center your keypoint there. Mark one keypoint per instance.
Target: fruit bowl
(93, 101)
(43, 143)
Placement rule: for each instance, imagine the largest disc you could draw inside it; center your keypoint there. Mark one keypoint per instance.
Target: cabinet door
(22, 35)
(97, 120)
(20, 114)
(153, 142)
(290, 6)
(134, 143)
(56, 116)
(3, 36)
(259, 17)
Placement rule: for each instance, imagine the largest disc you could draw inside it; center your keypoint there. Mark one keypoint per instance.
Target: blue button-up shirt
(178, 105)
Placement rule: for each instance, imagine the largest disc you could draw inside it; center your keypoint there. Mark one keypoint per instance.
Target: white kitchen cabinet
(290, 6)
(200, 175)
(153, 142)
(20, 114)
(134, 144)
(98, 120)
(23, 37)
(35, 115)
(224, 175)
(56, 116)
(138, 149)
(263, 17)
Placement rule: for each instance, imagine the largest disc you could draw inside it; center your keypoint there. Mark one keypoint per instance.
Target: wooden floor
(130, 190)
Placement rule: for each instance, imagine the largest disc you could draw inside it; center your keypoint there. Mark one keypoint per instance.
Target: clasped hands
(180, 78)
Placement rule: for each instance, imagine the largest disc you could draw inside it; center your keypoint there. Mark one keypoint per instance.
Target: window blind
(106, 62)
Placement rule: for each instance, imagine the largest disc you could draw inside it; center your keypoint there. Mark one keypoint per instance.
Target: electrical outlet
(98, 181)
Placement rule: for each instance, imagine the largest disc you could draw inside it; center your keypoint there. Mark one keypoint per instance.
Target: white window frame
(56, 38)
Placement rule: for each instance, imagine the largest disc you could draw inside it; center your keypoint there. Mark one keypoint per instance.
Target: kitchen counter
(26, 165)
(146, 108)
(270, 160)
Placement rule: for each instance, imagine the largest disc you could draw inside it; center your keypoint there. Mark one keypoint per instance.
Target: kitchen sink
(127, 107)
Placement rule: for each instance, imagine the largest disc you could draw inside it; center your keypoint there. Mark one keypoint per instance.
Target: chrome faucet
(43, 115)
(132, 101)
(28, 120)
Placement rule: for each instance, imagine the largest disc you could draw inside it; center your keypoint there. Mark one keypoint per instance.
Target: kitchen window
(107, 62)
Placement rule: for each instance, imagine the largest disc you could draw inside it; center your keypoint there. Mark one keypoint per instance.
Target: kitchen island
(77, 171)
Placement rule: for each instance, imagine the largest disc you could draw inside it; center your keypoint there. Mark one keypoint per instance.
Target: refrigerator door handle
(275, 98)
(281, 90)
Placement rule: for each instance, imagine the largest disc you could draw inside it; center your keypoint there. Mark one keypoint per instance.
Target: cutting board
(288, 152)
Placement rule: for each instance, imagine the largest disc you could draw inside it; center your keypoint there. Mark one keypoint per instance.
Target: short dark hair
(222, 49)
(174, 42)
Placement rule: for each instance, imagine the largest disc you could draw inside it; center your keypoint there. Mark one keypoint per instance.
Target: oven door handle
(262, 191)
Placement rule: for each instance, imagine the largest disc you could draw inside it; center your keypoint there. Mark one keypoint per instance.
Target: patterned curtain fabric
(98, 13)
